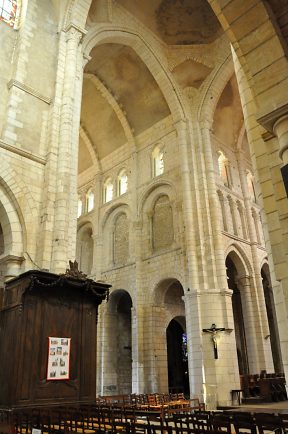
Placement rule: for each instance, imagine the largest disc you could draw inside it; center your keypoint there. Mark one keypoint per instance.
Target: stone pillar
(242, 219)
(137, 317)
(223, 210)
(233, 215)
(155, 350)
(137, 321)
(194, 343)
(259, 313)
(188, 206)
(108, 381)
(249, 323)
(66, 191)
(216, 239)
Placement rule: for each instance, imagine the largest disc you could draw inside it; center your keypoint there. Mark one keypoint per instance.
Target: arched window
(122, 182)
(8, 10)
(157, 161)
(250, 185)
(108, 190)
(89, 200)
(224, 169)
(79, 209)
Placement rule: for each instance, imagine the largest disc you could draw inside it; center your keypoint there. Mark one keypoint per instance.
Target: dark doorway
(238, 317)
(178, 378)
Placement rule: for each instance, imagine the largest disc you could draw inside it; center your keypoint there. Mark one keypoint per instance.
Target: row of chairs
(230, 423)
(92, 419)
(145, 400)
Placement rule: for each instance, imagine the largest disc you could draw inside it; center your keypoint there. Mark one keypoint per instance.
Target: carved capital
(73, 32)
(269, 120)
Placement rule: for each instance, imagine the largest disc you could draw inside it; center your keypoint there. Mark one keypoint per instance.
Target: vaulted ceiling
(120, 96)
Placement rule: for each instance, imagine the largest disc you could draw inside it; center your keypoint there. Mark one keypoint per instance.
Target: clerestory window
(157, 161)
(108, 190)
(89, 200)
(122, 182)
(8, 9)
(224, 169)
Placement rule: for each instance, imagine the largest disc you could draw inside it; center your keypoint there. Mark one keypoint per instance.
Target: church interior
(148, 141)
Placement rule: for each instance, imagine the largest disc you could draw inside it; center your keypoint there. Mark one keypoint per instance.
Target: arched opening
(178, 379)
(118, 368)
(169, 297)
(122, 182)
(272, 321)
(157, 161)
(237, 306)
(89, 200)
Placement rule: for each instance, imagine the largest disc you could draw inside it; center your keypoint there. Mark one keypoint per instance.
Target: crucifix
(214, 331)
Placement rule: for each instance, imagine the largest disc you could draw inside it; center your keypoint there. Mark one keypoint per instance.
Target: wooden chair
(267, 423)
(244, 423)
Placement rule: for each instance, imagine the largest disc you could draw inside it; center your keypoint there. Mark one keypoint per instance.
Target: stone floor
(275, 407)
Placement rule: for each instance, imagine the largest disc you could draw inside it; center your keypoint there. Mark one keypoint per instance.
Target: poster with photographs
(58, 358)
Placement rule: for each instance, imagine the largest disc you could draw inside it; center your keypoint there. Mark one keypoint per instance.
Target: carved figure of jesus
(214, 332)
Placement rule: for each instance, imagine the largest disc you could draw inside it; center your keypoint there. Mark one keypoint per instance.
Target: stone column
(194, 343)
(137, 317)
(192, 307)
(223, 210)
(66, 191)
(216, 239)
(233, 215)
(249, 323)
(108, 377)
(259, 313)
(188, 206)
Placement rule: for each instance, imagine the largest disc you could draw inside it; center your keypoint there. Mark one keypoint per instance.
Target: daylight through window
(8, 11)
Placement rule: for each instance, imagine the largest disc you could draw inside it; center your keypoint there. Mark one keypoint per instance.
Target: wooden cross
(214, 330)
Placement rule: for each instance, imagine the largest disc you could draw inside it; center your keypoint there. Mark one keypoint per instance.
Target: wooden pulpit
(48, 339)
